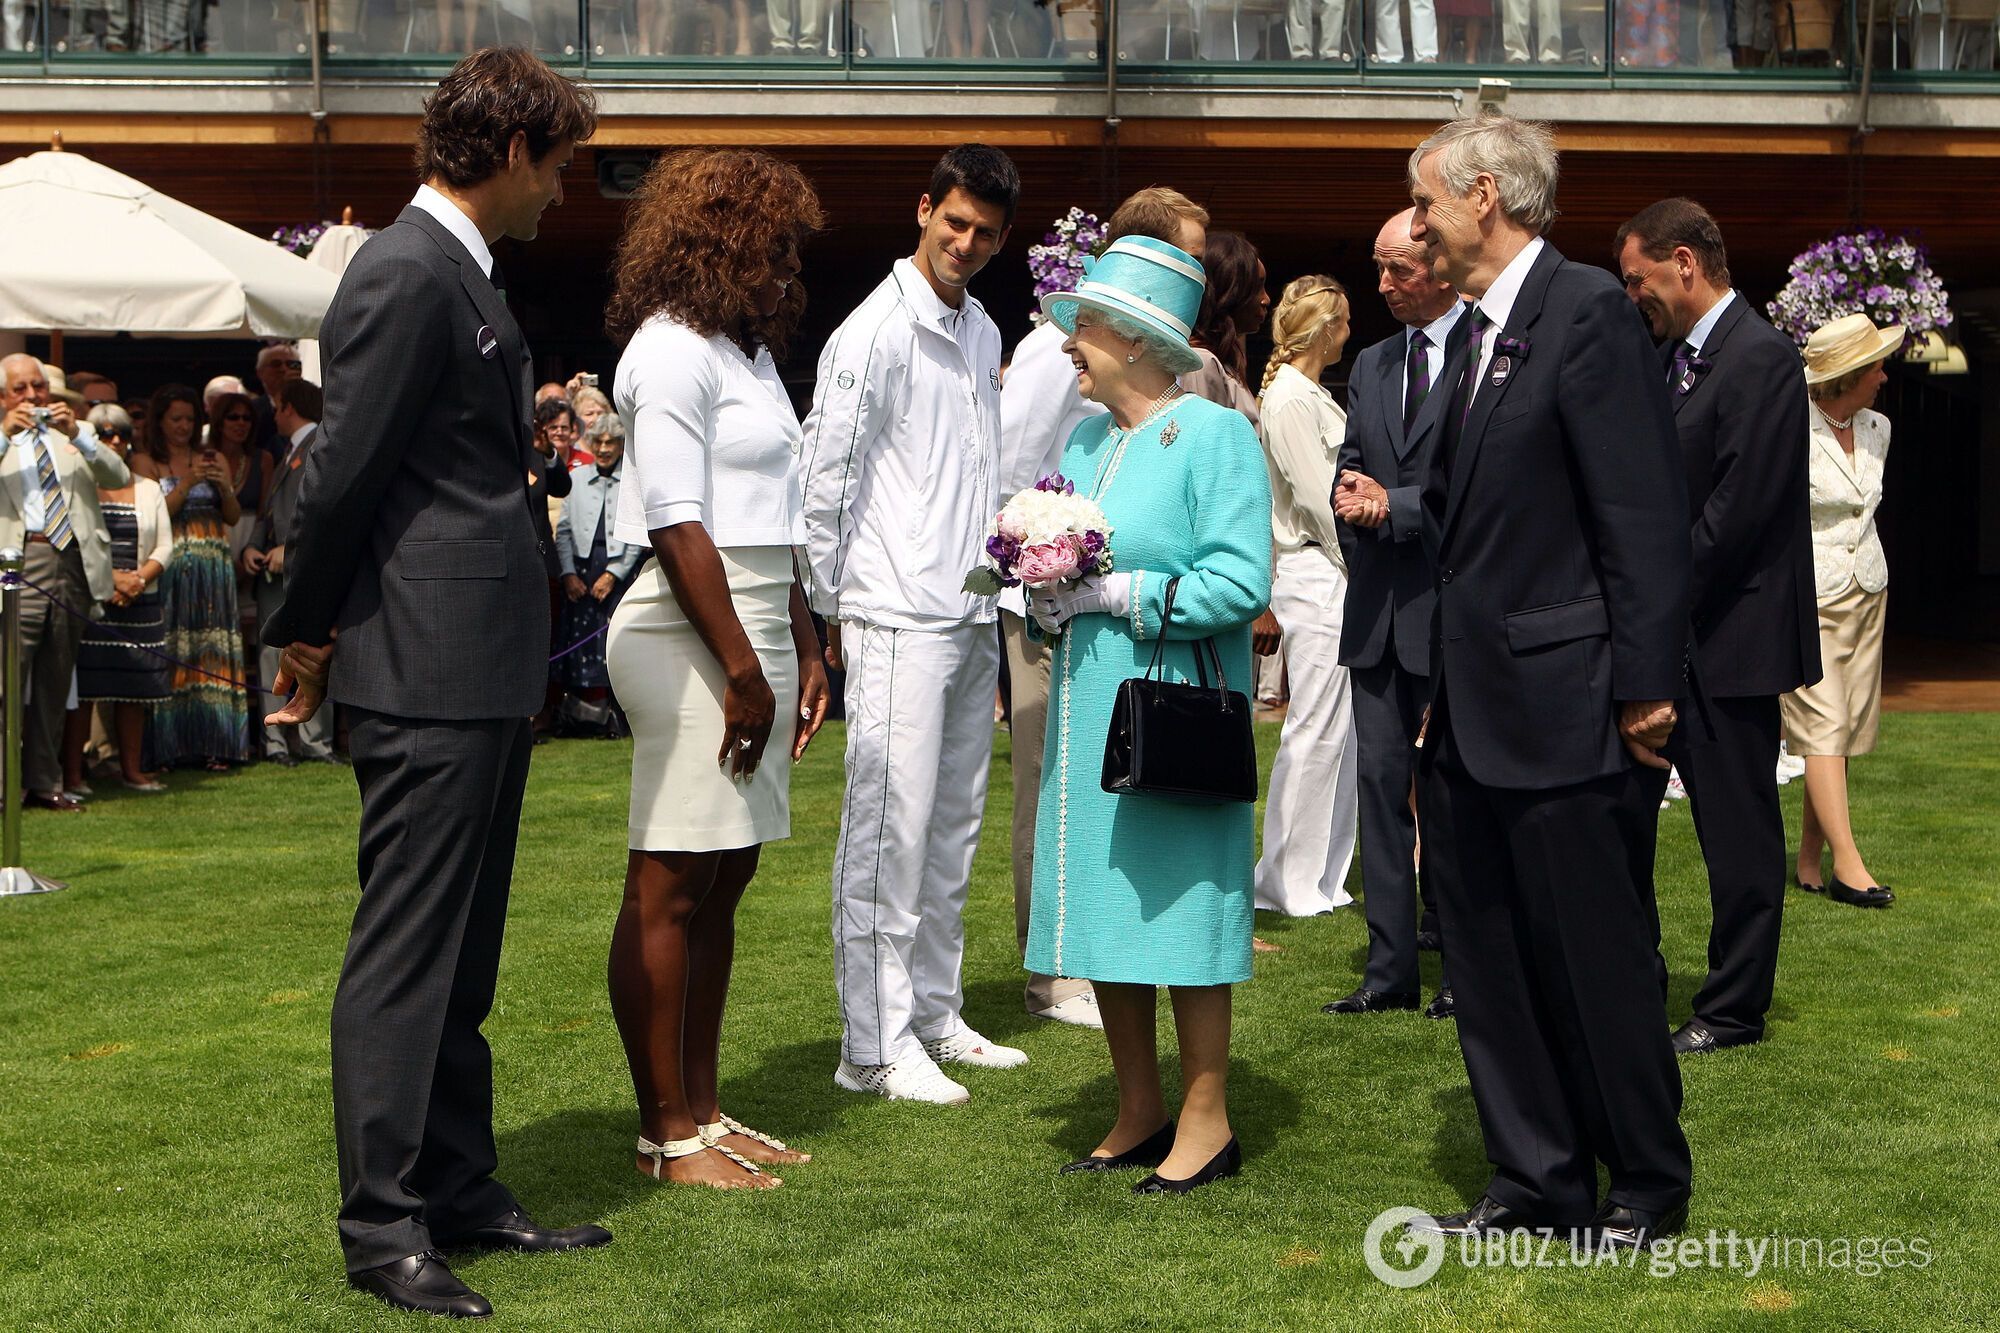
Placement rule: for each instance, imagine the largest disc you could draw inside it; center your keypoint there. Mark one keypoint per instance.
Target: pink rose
(1041, 565)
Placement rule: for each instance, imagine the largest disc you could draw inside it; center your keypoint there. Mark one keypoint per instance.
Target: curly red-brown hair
(705, 229)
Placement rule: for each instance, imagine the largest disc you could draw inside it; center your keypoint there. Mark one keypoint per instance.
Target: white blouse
(710, 437)
(1846, 491)
(1302, 429)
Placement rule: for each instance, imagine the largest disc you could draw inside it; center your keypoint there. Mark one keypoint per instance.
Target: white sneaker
(913, 1079)
(969, 1048)
(1080, 1010)
(1676, 789)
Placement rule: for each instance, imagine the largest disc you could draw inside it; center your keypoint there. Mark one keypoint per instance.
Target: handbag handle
(1158, 664)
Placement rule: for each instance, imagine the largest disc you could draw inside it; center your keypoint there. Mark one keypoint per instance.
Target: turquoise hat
(1149, 283)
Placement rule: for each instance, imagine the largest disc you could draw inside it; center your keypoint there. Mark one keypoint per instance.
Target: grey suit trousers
(311, 739)
(412, 1075)
(50, 638)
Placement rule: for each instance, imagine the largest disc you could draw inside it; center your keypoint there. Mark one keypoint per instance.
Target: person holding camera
(52, 469)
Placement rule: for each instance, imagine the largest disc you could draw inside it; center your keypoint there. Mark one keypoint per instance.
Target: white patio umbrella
(89, 250)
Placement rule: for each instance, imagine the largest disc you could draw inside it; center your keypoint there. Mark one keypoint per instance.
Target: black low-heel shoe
(1224, 1164)
(1807, 885)
(1874, 896)
(1151, 1152)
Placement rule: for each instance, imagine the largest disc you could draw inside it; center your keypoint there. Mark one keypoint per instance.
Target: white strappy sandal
(662, 1153)
(729, 1124)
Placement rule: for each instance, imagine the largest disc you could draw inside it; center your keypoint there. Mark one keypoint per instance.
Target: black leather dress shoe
(1224, 1164)
(1617, 1227)
(515, 1230)
(1876, 895)
(1695, 1037)
(58, 802)
(1443, 1006)
(422, 1282)
(1429, 941)
(1487, 1217)
(1365, 1001)
(1151, 1152)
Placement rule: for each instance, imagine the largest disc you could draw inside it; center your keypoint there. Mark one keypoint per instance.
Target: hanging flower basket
(1887, 278)
(1057, 263)
(300, 239)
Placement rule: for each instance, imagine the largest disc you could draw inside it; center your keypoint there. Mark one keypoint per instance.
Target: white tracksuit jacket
(901, 459)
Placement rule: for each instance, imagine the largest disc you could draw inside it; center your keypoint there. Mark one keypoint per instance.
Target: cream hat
(1848, 343)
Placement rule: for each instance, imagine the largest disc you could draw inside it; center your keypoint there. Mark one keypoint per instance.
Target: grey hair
(1174, 360)
(111, 417)
(1520, 156)
(607, 426)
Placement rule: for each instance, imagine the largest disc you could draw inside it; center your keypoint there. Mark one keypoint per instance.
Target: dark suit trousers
(1544, 901)
(412, 1076)
(1734, 793)
(1388, 710)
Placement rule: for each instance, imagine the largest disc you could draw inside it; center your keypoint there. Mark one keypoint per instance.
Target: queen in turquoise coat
(1135, 891)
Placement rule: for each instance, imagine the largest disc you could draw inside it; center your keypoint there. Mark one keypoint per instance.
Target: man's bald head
(1403, 274)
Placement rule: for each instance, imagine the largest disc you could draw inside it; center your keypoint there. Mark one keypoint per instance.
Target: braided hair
(1309, 305)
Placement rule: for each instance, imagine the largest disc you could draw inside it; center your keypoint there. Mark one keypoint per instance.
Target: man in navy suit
(1385, 638)
(1739, 401)
(1555, 513)
(416, 542)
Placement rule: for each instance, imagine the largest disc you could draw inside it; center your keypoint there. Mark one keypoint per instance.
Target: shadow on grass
(1458, 1154)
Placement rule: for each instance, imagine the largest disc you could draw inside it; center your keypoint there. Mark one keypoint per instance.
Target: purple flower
(1514, 347)
(1056, 483)
(1093, 542)
(1002, 549)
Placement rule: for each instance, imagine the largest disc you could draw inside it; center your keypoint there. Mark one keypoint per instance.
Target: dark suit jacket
(1390, 589)
(414, 531)
(1560, 538)
(1744, 434)
(281, 503)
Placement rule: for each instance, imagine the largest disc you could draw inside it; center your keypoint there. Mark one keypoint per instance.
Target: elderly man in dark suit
(415, 543)
(1739, 401)
(1385, 638)
(1555, 514)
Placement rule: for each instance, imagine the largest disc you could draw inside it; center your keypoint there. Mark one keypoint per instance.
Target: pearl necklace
(1125, 434)
(1827, 417)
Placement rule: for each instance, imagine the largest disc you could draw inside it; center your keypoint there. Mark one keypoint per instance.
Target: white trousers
(1389, 30)
(1312, 810)
(1542, 41)
(919, 738)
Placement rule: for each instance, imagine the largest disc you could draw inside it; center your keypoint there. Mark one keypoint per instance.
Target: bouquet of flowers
(1888, 278)
(1046, 536)
(1057, 263)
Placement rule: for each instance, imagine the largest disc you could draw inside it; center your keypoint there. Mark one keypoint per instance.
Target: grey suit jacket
(281, 506)
(413, 534)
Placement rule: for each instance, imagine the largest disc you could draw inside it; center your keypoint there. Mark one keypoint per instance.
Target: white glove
(1110, 594)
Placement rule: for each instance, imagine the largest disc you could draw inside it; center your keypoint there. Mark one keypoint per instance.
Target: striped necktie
(55, 505)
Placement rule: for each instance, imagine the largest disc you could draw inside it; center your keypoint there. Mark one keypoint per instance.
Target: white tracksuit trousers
(919, 738)
(1312, 811)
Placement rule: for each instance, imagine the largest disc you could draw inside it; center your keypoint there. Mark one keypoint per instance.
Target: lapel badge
(486, 342)
(1503, 366)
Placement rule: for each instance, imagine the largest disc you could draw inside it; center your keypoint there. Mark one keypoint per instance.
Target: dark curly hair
(1231, 263)
(705, 228)
(473, 113)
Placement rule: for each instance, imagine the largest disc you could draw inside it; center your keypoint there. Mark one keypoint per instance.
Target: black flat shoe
(1365, 1001)
(1151, 1152)
(1617, 1227)
(1876, 895)
(1807, 885)
(515, 1230)
(1442, 1007)
(422, 1282)
(1487, 1217)
(1224, 1164)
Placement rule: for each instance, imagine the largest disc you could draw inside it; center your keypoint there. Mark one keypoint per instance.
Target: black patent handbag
(1188, 743)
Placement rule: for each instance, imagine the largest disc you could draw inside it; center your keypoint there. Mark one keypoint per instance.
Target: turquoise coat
(1136, 888)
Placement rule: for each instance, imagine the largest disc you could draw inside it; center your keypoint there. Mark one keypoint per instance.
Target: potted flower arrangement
(1888, 278)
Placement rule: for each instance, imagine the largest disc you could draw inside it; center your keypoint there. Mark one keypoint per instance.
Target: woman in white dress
(712, 649)
(1312, 812)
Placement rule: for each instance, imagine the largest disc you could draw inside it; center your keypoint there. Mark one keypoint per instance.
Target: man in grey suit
(296, 407)
(415, 544)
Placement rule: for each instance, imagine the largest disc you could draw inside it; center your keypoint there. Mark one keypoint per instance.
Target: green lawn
(168, 1158)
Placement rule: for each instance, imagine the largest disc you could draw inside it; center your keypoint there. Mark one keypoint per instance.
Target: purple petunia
(1872, 272)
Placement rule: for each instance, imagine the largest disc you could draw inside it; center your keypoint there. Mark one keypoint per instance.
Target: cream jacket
(1845, 494)
(1302, 429)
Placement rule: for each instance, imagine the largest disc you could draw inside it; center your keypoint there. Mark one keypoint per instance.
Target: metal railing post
(13, 878)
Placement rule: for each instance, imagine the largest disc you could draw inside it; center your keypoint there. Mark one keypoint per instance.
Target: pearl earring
(1132, 360)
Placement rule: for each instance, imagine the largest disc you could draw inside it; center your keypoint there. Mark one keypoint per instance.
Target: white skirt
(671, 687)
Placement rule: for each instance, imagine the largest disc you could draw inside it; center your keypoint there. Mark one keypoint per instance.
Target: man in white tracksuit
(901, 463)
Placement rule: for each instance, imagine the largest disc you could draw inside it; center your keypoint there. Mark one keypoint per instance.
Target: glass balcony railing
(1338, 41)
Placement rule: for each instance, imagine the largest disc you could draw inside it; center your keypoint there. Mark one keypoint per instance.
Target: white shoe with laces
(967, 1047)
(912, 1079)
(1078, 1010)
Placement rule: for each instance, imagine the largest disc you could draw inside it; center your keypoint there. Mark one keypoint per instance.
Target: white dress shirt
(1434, 333)
(1698, 335)
(457, 223)
(26, 470)
(711, 438)
(901, 461)
(1301, 428)
(1498, 306)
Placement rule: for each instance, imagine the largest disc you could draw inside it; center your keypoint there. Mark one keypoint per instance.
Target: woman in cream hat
(1133, 891)
(1837, 717)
